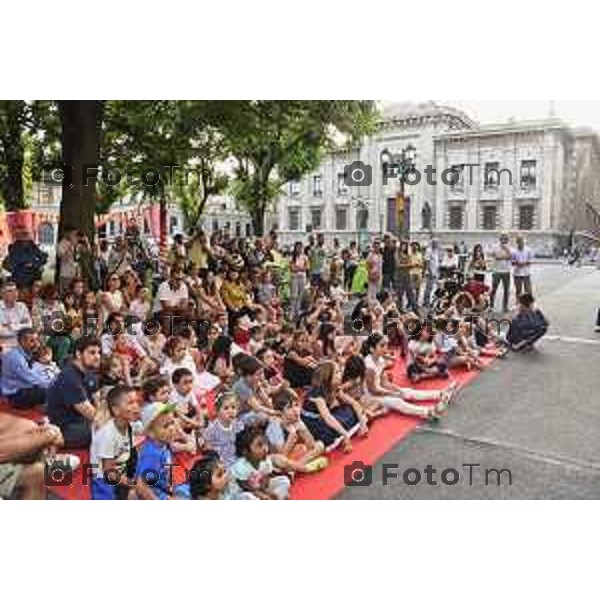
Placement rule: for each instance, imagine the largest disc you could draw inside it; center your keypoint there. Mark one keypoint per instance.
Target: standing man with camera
(66, 265)
(432, 270)
(502, 255)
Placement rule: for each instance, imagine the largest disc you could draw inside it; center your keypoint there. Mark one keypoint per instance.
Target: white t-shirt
(502, 265)
(524, 255)
(376, 365)
(183, 403)
(170, 296)
(108, 443)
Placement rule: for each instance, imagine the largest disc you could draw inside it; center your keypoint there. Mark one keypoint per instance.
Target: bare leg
(31, 482)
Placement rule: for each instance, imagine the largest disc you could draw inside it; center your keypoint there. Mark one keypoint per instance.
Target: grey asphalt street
(537, 415)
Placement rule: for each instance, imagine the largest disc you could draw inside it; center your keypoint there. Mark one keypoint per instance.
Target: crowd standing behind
(237, 357)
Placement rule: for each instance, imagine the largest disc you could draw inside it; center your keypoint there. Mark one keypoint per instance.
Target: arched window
(362, 219)
(426, 216)
(46, 234)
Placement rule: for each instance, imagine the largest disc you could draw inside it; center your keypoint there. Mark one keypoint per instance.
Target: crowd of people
(246, 362)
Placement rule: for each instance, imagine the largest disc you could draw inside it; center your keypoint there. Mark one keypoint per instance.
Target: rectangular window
(294, 218)
(294, 188)
(341, 185)
(491, 175)
(490, 217)
(317, 185)
(315, 218)
(341, 218)
(238, 229)
(455, 217)
(526, 217)
(457, 178)
(528, 174)
(248, 230)
(215, 225)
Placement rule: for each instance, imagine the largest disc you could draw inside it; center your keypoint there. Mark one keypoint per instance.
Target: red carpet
(384, 434)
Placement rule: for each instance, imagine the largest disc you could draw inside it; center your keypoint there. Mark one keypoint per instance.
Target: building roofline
(506, 128)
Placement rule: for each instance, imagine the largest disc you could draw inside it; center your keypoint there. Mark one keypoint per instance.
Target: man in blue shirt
(70, 397)
(21, 384)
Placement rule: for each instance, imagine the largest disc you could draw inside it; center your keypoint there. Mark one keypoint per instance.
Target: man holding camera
(68, 268)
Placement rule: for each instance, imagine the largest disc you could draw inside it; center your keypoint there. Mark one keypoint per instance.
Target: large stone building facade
(541, 179)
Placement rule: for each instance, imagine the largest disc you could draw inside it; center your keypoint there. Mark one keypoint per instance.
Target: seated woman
(299, 365)
(353, 384)
(331, 415)
(139, 365)
(219, 359)
(394, 397)
(324, 344)
(208, 296)
(235, 297)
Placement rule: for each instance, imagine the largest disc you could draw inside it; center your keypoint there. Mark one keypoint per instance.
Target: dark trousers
(404, 287)
(77, 435)
(522, 285)
(27, 398)
(529, 340)
(388, 281)
(496, 279)
(349, 276)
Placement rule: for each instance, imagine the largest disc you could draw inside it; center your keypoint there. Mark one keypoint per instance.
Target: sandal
(317, 464)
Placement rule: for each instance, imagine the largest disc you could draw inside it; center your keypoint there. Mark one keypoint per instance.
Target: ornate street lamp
(398, 166)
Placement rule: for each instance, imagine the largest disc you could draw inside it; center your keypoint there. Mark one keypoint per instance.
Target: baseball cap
(152, 411)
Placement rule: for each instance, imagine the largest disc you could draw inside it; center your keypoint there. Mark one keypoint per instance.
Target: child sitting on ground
(527, 326)
(210, 480)
(255, 404)
(112, 454)
(158, 391)
(43, 365)
(253, 470)
(183, 398)
(447, 345)
(467, 343)
(290, 438)
(423, 361)
(220, 433)
(114, 370)
(155, 460)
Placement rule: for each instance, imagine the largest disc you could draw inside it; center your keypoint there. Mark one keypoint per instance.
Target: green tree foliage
(275, 142)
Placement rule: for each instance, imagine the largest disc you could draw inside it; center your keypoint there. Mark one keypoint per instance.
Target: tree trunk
(13, 151)
(81, 122)
(258, 218)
